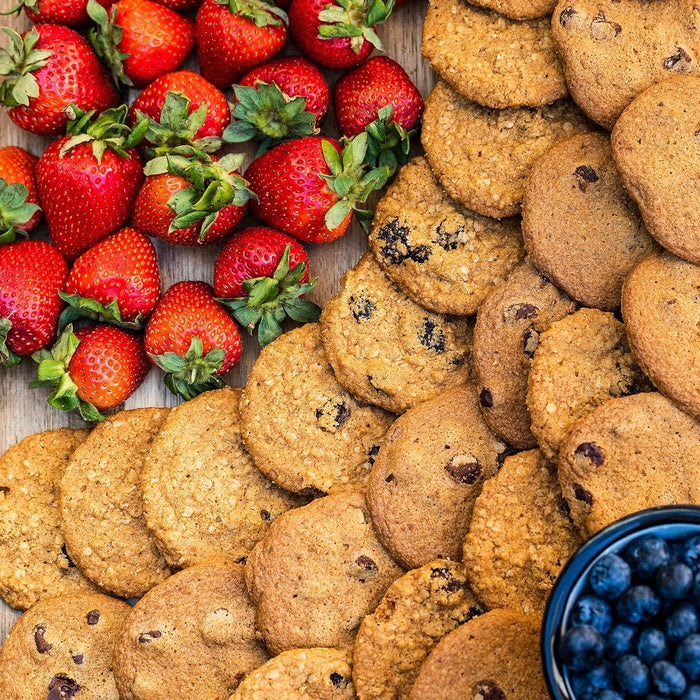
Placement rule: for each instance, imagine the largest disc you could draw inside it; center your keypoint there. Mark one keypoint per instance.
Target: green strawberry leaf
(260, 12)
(84, 307)
(14, 210)
(17, 62)
(354, 19)
(105, 38)
(8, 358)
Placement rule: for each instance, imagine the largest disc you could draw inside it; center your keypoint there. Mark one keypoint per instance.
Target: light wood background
(24, 411)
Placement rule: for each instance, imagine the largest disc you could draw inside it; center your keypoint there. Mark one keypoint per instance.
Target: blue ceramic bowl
(669, 522)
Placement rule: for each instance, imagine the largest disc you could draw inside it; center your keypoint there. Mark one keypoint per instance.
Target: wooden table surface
(24, 411)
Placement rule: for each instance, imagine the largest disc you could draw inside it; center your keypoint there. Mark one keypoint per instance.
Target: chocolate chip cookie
(443, 256)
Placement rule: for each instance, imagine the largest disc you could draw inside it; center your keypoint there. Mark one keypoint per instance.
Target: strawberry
(183, 5)
(92, 369)
(192, 339)
(47, 70)
(117, 280)
(89, 180)
(140, 40)
(234, 36)
(253, 275)
(19, 199)
(32, 274)
(306, 189)
(72, 13)
(337, 33)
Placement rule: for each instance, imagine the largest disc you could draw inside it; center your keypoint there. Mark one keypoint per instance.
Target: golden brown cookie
(386, 349)
(492, 59)
(192, 636)
(612, 50)
(520, 536)
(100, 503)
(300, 674)
(62, 648)
(506, 335)
(581, 362)
(629, 454)
(580, 227)
(301, 427)
(416, 612)
(428, 473)
(493, 656)
(445, 257)
(33, 558)
(318, 571)
(483, 156)
(656, 144)
(519, 9)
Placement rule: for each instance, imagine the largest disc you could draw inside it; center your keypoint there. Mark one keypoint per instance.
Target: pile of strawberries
(117, 174)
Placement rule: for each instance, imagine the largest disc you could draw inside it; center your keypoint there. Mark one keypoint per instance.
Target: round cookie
(416, 612)
(493, 656)
(579, 225)
(506, 334)
(483, 156)
(301, 427)
(612, 50)
(581, 362)
(62, 648)
(319, 570)
(300, 674)
(192, 636)
(428, 473)
(33, 558)
(520, 536)
(629, 454)
(489, 58)
(656, 144)
(661, 309)
(203, 498)
(519, 9)
(100, 503)
(443, 256)
(387, 350)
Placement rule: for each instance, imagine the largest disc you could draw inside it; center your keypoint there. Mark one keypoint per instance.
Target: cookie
(300, 674)
(629, 454)
(492, 59)
(192, 636)
(319, 570)
(428, 473)
(656, 144)
(520, 536)
(416, 612)
(519, 9)
(493, 656)
(33, 558)
(483, 156)
(506, 334)
(580, 227)
(387, 350)
(443, 256)
(203, 498)
(302, 428)
(581, 362)
(100, 503)
(614, 50)
(62, 648)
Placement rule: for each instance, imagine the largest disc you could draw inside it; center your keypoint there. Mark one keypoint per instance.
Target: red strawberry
(72, 13)
(116, 280)
(234, 36)
(19, 199)
(140, 40)
(361, 93)
(32, 274)
(88, 181)
(47, 70)
(182, 5)
(337, 33)
(192, 338)
(92, 369)
(261, 275)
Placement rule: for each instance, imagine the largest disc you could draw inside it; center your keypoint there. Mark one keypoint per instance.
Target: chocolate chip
(42, 646)
(452, 584)
(530, 341)
(64, 551)
(93, 617)
(390, 478)
(591, 452)
(4, 490)
(464, 469)
(486, 398)
(487, 690)
(338, 680)
(362, 308)
(566, 14)
(366, 563)
(148, 637)
(582, 495)
(586, 176)
(525, 310)
(62, 688)
(448, 240)
(265, 514)
(432, 337)
(680, 60)
(332, 415)
(373, 452)
(396, 248)
(77, 658)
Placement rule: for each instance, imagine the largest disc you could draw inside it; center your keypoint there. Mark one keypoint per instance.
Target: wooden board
(24, 411)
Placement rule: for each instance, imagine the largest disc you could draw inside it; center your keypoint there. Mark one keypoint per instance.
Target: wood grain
(24, 411)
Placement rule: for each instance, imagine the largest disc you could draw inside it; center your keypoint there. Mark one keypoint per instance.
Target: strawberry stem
(260, 12)
(8, 358)
(105, 38)
(18, 61)
(388, 142)
(354, 19)
(14, 210)
(84, 307)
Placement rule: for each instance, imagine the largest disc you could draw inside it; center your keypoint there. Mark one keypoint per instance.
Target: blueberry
(632, 675)
(673, 581)
(620, 640)
(581, 647)
(676, 547)
(682, 622)
(645, 555)
(687, 657)
(692, 693)
(593, 611)
(652, 645)
(610, 577)
(691, 552)
(587, 685)
(695, 591)
(610, 695)
(667, 678)
(638, 604)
